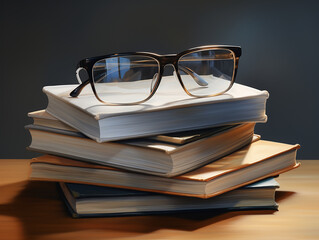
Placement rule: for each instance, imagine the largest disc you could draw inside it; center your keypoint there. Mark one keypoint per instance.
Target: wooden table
(34, 210)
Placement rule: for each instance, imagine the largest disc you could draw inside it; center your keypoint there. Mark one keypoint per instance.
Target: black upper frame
(163, 60)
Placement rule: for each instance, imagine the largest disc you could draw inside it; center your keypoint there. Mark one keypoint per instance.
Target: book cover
(96, 201)
(168, 111)
(257, 161)
(149, 156)
(42, 120)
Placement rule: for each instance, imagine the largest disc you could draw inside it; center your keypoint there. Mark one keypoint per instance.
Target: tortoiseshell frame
(162, 60)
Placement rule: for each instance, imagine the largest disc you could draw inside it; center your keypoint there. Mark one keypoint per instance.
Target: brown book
(257, 161)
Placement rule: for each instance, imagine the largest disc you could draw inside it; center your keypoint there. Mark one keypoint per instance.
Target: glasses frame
(162, 60)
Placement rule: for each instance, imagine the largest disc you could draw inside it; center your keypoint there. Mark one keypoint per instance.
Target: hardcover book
(42, 120)
(169, 110)
(149, 156)
(96, 201)
(257, 161)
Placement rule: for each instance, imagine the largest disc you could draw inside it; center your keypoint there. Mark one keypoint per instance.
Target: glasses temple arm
(79, 88)
(198, 79)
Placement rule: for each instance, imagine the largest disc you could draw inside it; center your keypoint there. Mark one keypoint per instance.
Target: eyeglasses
(133, 78)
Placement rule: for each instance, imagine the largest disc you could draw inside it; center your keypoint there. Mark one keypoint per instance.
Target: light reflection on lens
(213, 71)
(125, 79)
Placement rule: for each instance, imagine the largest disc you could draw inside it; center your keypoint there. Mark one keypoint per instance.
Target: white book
(169, 110)
(144, 155)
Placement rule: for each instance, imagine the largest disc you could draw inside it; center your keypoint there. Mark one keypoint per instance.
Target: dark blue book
(96, 201)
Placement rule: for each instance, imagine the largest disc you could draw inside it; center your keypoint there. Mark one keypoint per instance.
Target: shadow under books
(41, 211)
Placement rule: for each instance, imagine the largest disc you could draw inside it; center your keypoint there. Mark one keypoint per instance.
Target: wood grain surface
(34, 210)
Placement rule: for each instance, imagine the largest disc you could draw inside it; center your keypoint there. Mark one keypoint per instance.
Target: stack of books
(172, 153)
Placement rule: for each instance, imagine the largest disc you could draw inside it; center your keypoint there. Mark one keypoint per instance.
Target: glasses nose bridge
(170, 59)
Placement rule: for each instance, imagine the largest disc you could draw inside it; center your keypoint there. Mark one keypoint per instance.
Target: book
(169, 110)
(96, 201)
(43, 118)
(148, 156)
(259, 160)
(44, 121)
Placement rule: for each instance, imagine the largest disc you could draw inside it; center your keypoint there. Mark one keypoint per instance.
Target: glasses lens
(208, 72)
(125, 79)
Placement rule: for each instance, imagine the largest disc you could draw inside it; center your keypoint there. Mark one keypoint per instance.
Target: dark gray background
(41, 42)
